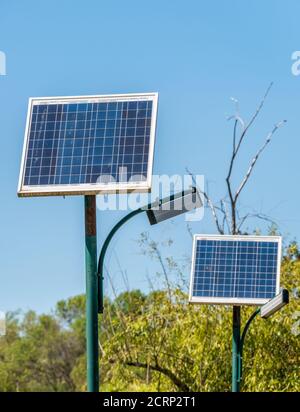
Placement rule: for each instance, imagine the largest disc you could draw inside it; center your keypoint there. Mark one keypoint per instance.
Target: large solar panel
(235, 269)
(88, 145)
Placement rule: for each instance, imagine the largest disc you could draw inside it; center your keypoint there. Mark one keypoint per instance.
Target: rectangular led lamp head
(275, 304)
(173, 206)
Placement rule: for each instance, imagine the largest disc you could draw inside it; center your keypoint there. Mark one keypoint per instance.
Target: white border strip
(233, 301)
(93, 188)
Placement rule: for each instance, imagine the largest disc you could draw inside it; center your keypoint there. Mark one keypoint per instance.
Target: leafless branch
(251, 121)
(120, 315)
(159, 258)
(260, 216)
(209, 202)
(189, 229)
(123, 273)
(255, 158)
(235, 151)
(225, 215)
(180, 384)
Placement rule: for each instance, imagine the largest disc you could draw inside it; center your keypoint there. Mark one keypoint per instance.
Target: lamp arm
(106, 243)
(242, 340)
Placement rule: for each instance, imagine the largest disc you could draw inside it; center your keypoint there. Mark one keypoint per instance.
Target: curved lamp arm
(242, 340)
(155, 214)
(103, 251)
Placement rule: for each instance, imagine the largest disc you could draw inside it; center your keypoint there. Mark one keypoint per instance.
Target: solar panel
(235, 269)
(88, 145)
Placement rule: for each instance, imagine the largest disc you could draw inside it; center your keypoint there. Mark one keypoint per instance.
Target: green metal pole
(92, 351)
(236, 347)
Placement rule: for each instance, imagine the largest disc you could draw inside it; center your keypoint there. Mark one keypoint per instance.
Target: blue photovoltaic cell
(76, 143)
(235, 269)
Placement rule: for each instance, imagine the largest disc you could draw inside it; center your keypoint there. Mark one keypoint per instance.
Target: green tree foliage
(154, 342)
(39, 353)
(173, 346)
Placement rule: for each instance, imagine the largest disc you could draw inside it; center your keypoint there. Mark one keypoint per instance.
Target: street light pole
(242, 341)
(236, 348)
(91, 294)
(158, 211)
(238, 340)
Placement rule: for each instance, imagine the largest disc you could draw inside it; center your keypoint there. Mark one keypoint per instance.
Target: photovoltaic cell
(83, 143)
(235, 269)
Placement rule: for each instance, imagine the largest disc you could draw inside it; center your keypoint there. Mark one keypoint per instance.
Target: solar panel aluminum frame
(88, 188)
(226, 300)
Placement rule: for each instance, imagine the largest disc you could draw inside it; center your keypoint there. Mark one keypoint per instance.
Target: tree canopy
(154, 342)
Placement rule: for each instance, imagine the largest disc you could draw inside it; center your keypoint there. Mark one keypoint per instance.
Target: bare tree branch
(253, 117)
(256, 216)
(120, 315)
(228, 219)
(123, 273)
(236, 150)
(189, 229)
(209, 202)
(160, 260)
(225, 215)
(182, 386)
(254, 160)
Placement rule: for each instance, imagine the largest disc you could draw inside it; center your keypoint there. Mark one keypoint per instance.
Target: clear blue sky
(196, 54)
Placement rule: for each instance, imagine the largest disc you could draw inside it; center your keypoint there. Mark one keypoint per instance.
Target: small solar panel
(88, 145)
(238, 270)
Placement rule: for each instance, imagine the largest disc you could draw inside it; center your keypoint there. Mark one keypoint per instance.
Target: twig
(182, 386)
(235, 152)
(225, 215)
(253, 117)
(256, 216)
(254, 160)
(209, 202)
